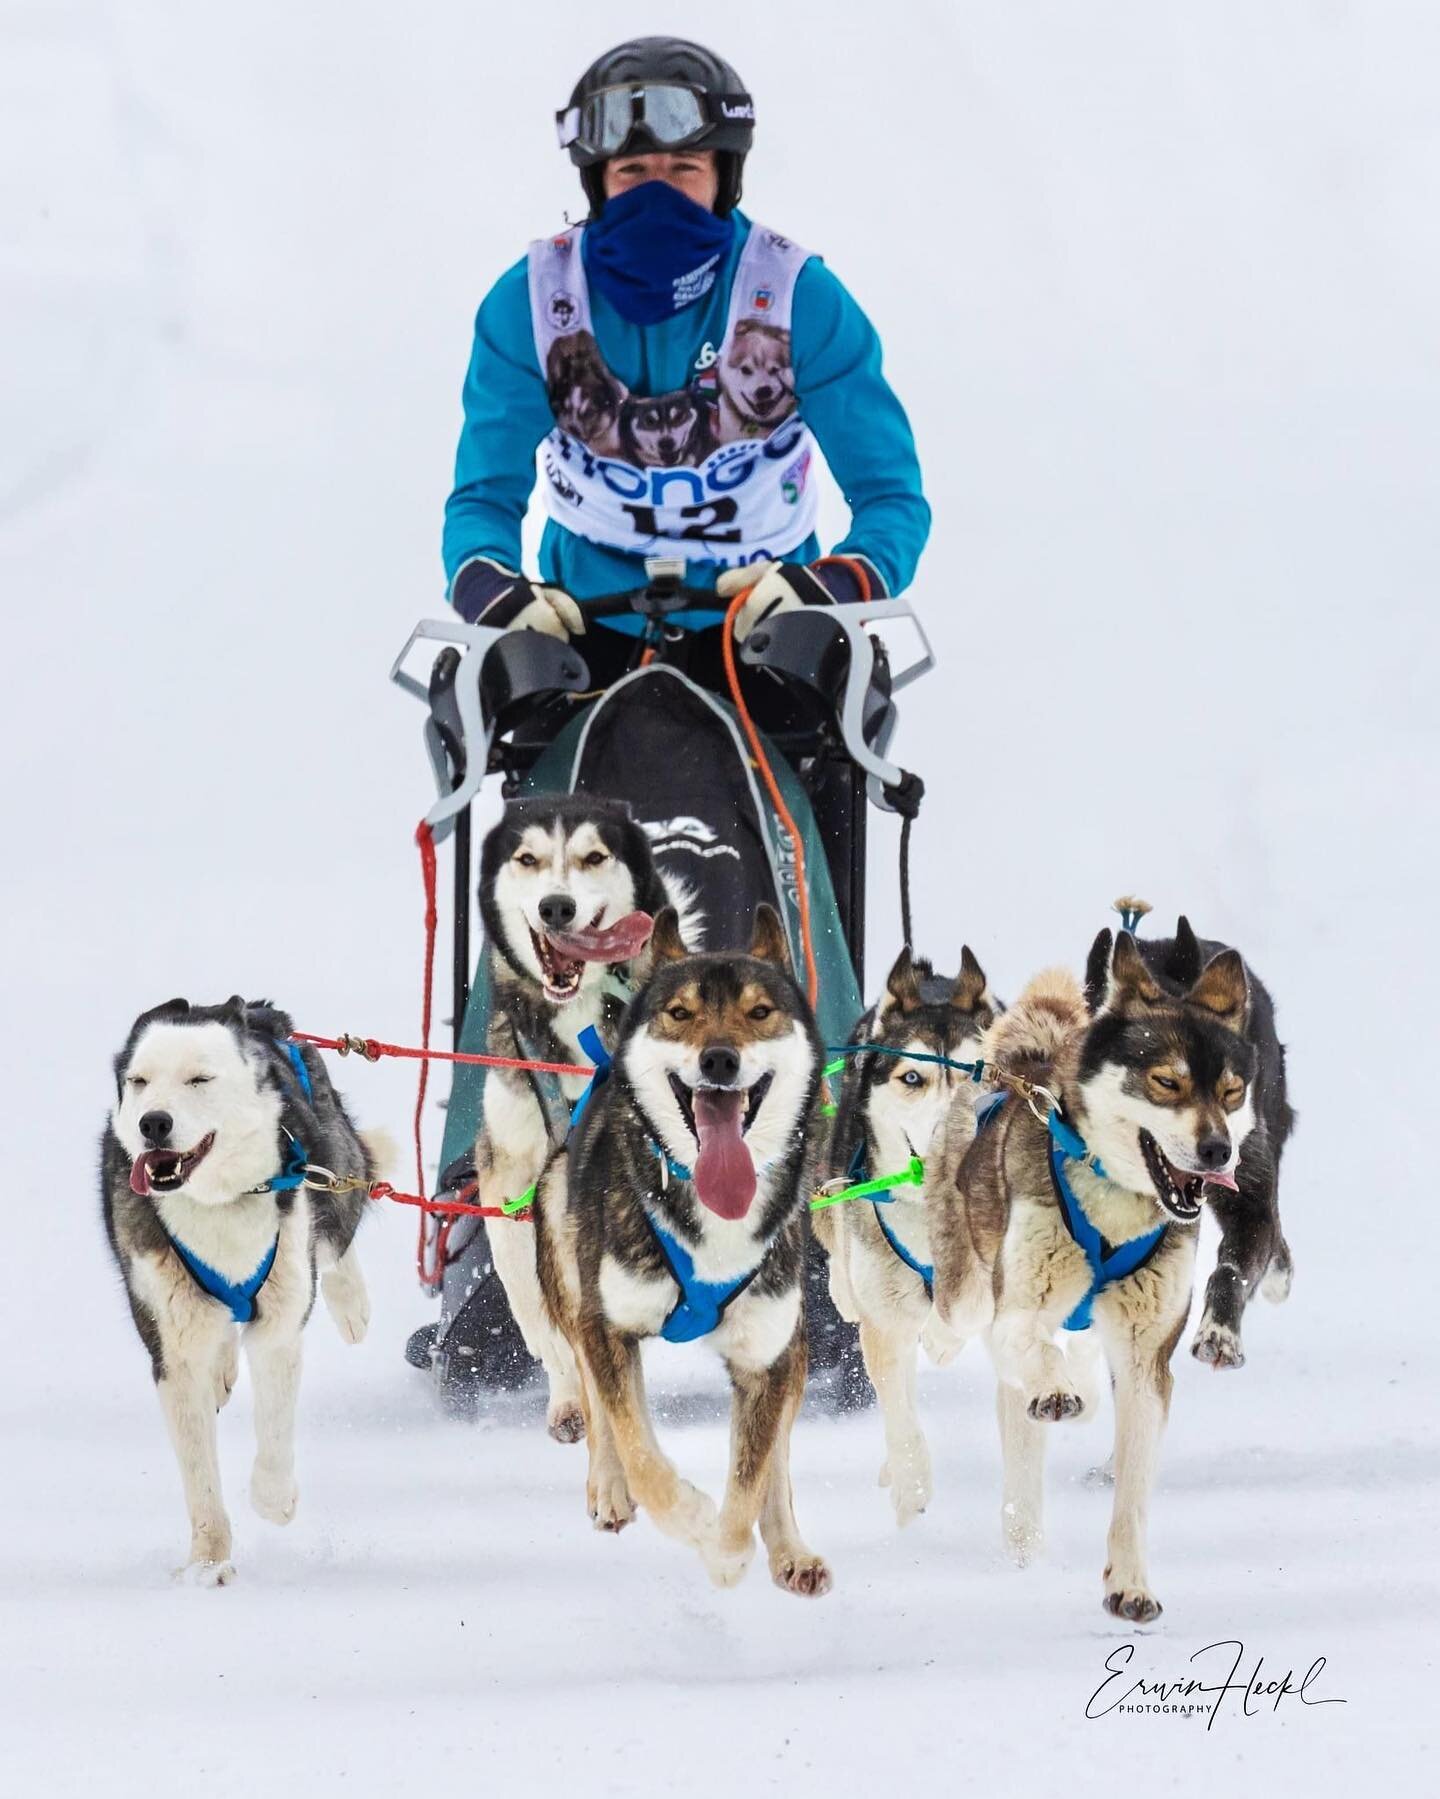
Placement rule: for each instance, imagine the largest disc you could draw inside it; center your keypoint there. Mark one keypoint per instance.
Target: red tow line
(372, 1049)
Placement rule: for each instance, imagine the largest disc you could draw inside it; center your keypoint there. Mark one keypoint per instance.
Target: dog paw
(1133, 1603)
(696, 1514)
(610, 1505)
(348, 1304)
(565, 1421)
(1217, 1345)
(274, 1495)
(1054, 1408)
(1024, 1536)
(1278, 1280)
(205, 1574)
(939, 1342)
(727, 1563)
(910, 1490)
(801, 1572)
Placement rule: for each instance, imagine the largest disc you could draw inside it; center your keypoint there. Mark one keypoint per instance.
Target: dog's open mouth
(1179, 1190)
(719, 1118)
(562, 955)
(166, 1170)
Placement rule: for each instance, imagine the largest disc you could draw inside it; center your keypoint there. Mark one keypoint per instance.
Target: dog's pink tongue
(724, 1173)
(617, 942)
(1222, 1180)
(140, 1176)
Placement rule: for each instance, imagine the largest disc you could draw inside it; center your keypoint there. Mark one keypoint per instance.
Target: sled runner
(639, 709)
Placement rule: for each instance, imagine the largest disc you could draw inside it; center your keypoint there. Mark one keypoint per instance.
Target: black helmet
(658, 93)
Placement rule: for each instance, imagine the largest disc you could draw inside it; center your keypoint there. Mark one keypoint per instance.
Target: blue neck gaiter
(653, 252)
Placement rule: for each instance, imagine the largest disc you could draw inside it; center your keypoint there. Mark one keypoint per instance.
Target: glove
(484, 593)
(783, 586)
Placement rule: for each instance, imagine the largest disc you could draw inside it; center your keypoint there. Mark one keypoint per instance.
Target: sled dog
(1253, 1251)
(881, 1273)
(680, 1210)
(216, 1117)
(568, 890)
(1079, 1198)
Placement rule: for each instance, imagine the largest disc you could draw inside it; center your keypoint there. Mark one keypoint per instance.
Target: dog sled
(751, 768)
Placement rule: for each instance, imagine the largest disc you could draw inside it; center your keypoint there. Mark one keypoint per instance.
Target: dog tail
(1032, 1033)
(382, 1152)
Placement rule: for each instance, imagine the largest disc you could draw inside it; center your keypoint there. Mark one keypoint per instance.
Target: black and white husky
(1254, 1256)
(892, 1103)
(568, 891)
(216, 1118)
(679, 1210)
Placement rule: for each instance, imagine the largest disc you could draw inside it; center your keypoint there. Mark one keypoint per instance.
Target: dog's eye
(1231, 1094)
(912, 1077)
(526, 860)
(1166, 1083)
(137, 1080)
(200, 1080)
(761, 1013)
(595, 858)
(679, 1013)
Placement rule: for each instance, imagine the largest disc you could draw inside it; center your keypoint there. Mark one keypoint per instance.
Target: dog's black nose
(557, 911)
(1214, 1152)
(720, 1065)
(155, 1127)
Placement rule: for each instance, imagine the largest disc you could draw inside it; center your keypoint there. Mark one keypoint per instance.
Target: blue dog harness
(702, 1304)
(926, 1270)
(240, 1296)
(1108, 1263)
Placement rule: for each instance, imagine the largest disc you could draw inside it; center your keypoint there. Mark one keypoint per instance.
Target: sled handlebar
(826, 650)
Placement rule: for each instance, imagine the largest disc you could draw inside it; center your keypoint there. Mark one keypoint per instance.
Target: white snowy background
(1160, 286)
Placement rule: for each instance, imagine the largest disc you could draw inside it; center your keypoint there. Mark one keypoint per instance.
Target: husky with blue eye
(1068, 1222)
(892, 1102)
(679, 1210)
(217, 1118)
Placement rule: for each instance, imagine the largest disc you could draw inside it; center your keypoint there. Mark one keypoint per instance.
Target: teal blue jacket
(843, 396)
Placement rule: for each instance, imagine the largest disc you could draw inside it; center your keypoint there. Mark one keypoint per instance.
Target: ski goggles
(672, 116)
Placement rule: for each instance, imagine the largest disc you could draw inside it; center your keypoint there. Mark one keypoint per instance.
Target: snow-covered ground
(1159, 283)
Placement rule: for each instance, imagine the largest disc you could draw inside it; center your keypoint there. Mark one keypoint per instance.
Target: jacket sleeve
(506, 416)
(860, 426)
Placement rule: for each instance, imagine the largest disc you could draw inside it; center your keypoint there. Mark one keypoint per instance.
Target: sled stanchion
(425, 839)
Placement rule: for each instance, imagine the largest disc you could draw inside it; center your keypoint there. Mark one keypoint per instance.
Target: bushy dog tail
(1032, 1033)
(383, 1153)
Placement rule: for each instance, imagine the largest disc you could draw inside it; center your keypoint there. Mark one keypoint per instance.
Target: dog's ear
(969, 991)
(1132, 986)
(767, 940)
(1223, 989)
(666, 943)
(902, 985)
(1185, 961)
(1097, 970)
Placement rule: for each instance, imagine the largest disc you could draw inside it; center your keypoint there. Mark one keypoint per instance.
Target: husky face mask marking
(1165, 1081)
(931, 1016)
(722, 1061)
(558, 890)
(195, 1111)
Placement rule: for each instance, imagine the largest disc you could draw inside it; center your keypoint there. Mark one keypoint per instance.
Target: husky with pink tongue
(568, 893)
(680, 1210)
